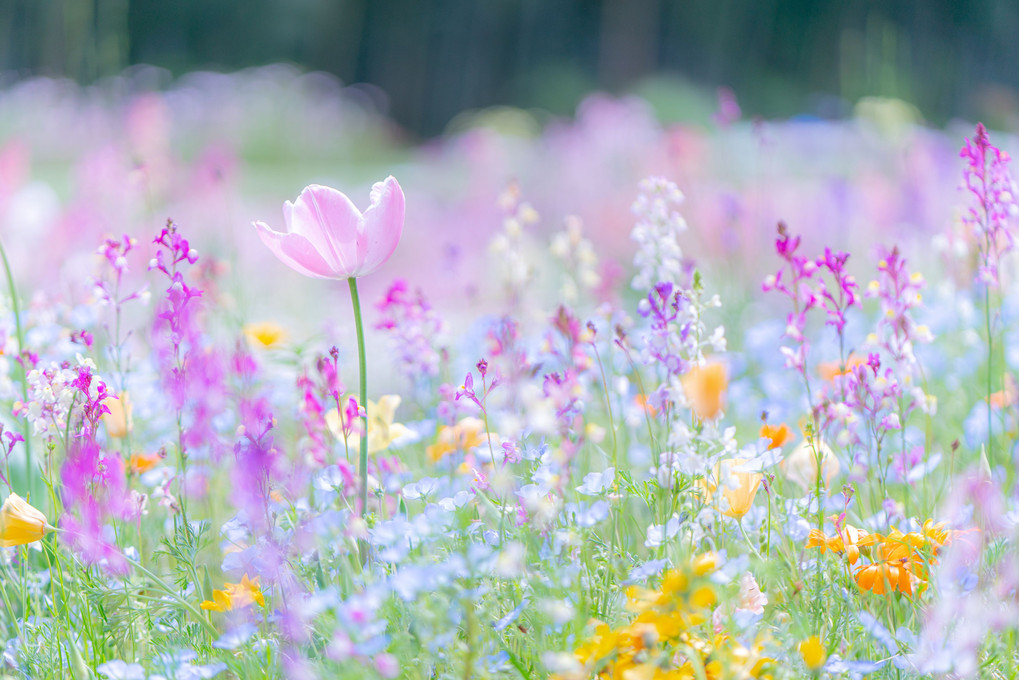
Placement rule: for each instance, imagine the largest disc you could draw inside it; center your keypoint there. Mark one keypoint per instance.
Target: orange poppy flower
(882, 577)
(780, 435)
(705, 387)
(829, 369)
(143, 462)
(846, 540)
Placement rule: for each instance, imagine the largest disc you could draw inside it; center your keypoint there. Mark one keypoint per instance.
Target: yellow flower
(464, 436)
(118, 421)
(382, 431)
(738, 488)
(704, 387)
(235, 596)
(265, 334)
(220, 602)
(703, 597)
(742, 497)
(705, 563)
(20, 523)
(813, 653)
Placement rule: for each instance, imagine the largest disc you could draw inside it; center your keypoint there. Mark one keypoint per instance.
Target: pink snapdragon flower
(329, 238)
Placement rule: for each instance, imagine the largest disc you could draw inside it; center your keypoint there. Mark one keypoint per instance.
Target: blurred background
(427, 61)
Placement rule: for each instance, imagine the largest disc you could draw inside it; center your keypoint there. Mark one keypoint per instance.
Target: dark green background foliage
(435, 58)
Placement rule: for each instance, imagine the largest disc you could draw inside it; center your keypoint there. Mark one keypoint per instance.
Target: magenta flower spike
(327, 237)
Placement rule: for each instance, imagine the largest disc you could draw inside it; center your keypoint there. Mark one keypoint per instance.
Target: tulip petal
(296, 251)
(328, 219)
(383, 225)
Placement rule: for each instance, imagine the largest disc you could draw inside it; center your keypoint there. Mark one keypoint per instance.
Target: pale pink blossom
(751, 598)
(327, 237)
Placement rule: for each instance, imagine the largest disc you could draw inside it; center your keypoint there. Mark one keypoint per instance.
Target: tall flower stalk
(19, 331)
(362, 373)
(989, 223)
(328, 238)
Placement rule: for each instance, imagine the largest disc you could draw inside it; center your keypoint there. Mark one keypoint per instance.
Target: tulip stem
(363, 398)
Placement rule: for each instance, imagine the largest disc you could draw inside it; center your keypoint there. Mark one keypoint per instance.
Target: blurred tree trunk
(629, 40)
(111, 36)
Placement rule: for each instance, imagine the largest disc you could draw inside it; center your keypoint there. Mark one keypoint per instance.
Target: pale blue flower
(596, 482)
(121, 670)
(236, 637)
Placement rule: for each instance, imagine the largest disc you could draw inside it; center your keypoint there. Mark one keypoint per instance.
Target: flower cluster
(805, 286)
(659, 258)
(861, 397)
(579, 259)
(895, 561)
(898, 291)
(670, 637)
(994, 205)
(678, 340)
(511, 246)
(61, 394)
(413, 328)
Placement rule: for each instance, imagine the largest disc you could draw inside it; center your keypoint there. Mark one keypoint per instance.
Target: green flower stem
(362, 365)
(990, 372)
(363, 398)
(19, 331)
(159, 583)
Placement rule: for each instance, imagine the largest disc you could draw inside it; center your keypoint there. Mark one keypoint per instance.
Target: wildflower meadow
(283, 395)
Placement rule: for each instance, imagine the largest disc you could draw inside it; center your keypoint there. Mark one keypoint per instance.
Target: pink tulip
(329, 238)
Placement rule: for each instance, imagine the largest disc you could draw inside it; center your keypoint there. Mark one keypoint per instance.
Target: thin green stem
(363, 377)
(362, 367)
(990, 358)
(20, 332)
(198, 616)
(746, 538)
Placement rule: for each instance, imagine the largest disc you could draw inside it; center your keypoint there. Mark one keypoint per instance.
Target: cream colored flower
(800, 466)
(382, 431)
(118, 421)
